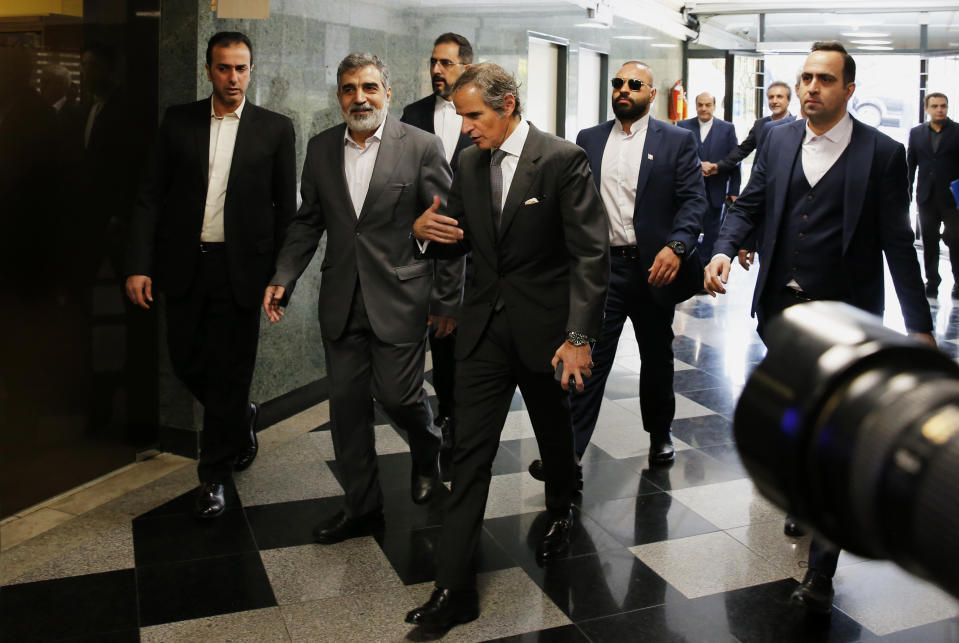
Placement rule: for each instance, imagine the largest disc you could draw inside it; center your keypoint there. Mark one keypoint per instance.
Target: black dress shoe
(556, 541)
(210, 500)
(446, 608)
(342, 527)
(423, 484)
(248, 454)
(661, 449)
(536, 471)
(792, 528)
(815, 593)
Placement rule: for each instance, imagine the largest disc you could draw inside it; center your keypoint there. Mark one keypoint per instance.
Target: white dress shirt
(447, 124)
(513, 146)
(622, 158)
(704, 129)
(819, 153)
(358, 164)
(223, 131)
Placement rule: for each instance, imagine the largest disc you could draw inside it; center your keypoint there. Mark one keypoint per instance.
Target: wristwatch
(678, 247)
(578, 339)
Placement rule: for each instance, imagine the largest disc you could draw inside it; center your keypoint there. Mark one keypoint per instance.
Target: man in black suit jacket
(934, 151)
(524, 203)
(452, 55)
(832, 195)
(217, 196)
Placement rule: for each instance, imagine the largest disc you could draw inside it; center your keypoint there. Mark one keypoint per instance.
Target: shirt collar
(376, 136)
(442, 103)
(514, 142)
(238, 111)
(839, 133)
(705, 123)
(639, 126)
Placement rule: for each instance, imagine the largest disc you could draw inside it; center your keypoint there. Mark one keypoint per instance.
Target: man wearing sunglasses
(651, 182)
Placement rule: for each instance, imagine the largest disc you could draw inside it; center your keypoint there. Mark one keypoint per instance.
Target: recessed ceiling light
(954, 44)
(864, 34)
(871, 42)
(664, 45)
(592, 25)
(634, 37)
(875, 48)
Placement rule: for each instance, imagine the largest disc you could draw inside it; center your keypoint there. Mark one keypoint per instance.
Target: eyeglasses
(635, 84)
(443, 61)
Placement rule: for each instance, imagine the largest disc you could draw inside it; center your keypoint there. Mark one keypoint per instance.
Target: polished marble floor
(689, 552)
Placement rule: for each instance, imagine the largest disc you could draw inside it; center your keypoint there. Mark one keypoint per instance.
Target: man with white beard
(364, 183)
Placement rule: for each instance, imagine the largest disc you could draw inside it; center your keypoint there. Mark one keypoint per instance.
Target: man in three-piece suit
(524, 204)
(833, 197)
(364, 183)
(651, 183)
(717, 138)
(934, 151)
(217, 196)
(452, 55)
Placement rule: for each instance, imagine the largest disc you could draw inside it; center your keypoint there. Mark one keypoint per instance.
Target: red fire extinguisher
(677, 102)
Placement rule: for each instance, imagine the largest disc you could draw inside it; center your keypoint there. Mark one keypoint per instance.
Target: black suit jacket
(936, 169)
(260, 200)
(753, 141)
(420, 114)
(549, 264)
(875, 218)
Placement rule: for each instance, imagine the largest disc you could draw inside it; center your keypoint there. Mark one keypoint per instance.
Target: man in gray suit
(364, 183)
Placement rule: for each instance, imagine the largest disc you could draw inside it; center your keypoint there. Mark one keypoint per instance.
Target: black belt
(630, 252)
(212, 246)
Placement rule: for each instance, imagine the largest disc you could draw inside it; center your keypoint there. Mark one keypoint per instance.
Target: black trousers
(361, 367)
(485, 383)
(711, 224)
(212, 343)
(629, 296)
(932, 215)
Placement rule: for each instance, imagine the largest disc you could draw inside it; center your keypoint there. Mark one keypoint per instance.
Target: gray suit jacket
(400, 289)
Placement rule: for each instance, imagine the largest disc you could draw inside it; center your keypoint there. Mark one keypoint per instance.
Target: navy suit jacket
(420, 114)
(670, 197)
(720, 141)
(875, 218)
(936, 169)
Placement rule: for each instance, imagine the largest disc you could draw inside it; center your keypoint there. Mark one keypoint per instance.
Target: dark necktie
(496, 185)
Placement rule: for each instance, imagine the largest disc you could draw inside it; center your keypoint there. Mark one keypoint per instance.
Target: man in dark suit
(452, 55)
(934, 151)
(833, 197)
(651, 183)
(523, 202)
(717, 138)
(364, 183)
(218, 194)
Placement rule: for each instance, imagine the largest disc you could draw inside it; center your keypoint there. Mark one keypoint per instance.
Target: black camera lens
(854, 430)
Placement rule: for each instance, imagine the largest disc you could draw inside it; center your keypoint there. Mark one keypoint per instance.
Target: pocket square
(649, 156)
(532, 201)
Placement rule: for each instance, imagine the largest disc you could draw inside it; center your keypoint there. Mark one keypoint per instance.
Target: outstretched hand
(433, 226)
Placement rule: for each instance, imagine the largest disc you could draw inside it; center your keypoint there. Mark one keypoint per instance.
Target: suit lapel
(387, 158)
(595, 147)
(790, 150)
(522, 178)
(650, 151)
(483, 201)
(202, 139)
(245, 138)
(858, 164)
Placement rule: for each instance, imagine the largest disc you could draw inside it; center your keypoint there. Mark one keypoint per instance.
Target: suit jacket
(549, 264)
(420, 114)
(875, 218)
(720, 141)
(260, 200)
(753, 141)
(936, 169)
(670, 197)
(399, 289)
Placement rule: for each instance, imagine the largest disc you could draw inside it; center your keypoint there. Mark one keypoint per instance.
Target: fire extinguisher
(677, 102)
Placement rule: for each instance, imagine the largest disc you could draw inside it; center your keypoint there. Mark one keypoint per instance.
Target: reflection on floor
(685, 553)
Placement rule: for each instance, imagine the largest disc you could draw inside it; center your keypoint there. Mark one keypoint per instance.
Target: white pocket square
(532, 201)
(649, 156)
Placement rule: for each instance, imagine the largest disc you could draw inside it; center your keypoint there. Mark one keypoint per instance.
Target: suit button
(809, 198)
(794, 268)
(802, 236)
(357, 233)
(805, 216)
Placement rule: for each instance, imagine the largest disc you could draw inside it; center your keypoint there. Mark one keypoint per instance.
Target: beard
(633, 111)
(444, 90)
(365, 120)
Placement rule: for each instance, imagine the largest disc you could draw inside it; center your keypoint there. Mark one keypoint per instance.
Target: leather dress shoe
(815, 593)
(210, 500)
(661, 449)
(792, 528)
(423, 484)
(536, 471)
(342, 527)
(446, 608)
(556, 541)
(248, 454)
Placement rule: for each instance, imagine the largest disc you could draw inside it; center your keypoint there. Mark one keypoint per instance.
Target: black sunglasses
(635, 84)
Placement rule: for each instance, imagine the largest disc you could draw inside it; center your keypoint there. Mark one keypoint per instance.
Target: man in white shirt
(833, 198)
(364, 183)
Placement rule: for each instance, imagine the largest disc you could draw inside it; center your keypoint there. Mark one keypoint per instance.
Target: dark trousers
(485, 383)
(932, 214)
(629, 296)
(212, 345)
(711, 224)
(361, 367)
(444, 367)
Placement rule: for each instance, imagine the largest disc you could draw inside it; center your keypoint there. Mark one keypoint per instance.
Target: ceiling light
(871, 42)
(633, 37)
(591, 25)
(664, 45)
(863, 34)
(875, 48)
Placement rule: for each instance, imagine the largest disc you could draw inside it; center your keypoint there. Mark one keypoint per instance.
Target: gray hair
(494, 83)
(359, 61)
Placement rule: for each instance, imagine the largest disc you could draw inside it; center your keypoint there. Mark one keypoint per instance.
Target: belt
(798, 295)
(629, 252)
(211, 246)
